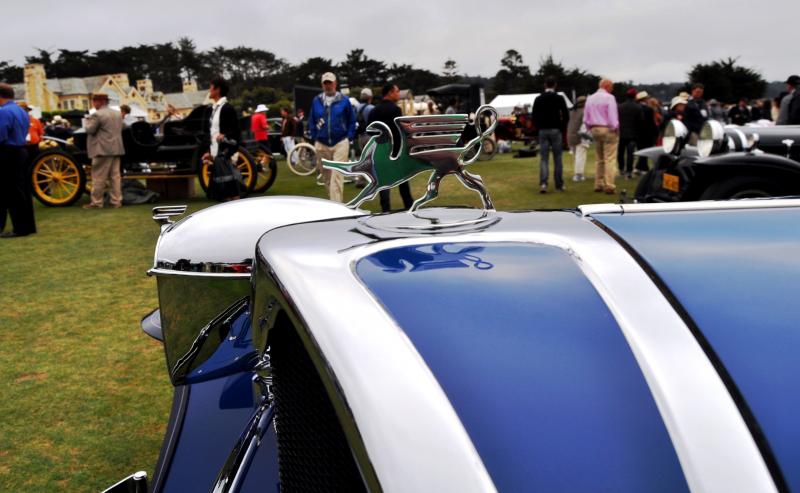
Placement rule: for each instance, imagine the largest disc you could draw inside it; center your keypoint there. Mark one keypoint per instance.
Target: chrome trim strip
(379, 370)
(588, 210)
(188, 273)
(135, 483)
(702, 205)
(231, 476)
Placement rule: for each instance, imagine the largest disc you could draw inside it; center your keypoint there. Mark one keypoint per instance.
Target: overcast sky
(622, 39)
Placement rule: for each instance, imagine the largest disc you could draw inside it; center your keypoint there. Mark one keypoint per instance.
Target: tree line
(258, 75)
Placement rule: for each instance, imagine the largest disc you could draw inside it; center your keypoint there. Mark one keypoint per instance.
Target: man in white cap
(332, 125)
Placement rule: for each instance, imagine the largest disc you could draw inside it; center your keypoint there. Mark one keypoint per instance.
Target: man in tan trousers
(601, 117)
(104, 145)
(332, 125)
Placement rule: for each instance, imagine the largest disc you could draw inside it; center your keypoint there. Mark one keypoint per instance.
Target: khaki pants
(105, 169)
(580, 157)
(334, 181)
(605, 142)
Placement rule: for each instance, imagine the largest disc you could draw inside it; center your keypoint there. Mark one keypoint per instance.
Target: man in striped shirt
(602, 118)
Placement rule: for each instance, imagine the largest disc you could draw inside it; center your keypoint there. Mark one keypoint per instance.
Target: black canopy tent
(468, 97)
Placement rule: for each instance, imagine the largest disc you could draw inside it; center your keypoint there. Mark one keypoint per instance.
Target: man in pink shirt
(601, 117)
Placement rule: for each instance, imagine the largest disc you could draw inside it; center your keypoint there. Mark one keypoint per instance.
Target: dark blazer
(694, 115)
(631, 118)
(386, 112)
(228, 126)
(649, 130)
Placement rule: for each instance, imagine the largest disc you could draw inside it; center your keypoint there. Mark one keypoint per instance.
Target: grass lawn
(85, 394)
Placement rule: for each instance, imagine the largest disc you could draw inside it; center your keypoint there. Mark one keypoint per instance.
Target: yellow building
(74, 93)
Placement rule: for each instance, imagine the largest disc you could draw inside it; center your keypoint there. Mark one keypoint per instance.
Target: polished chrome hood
(221, 239)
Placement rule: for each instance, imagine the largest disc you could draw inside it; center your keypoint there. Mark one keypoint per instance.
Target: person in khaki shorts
(601, 116)
(104, 146)
(332, 125)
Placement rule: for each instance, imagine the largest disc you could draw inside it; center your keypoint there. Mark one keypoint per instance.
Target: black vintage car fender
(744, 162)
(745, 175)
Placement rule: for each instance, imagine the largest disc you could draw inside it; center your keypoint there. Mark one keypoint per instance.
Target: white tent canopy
(505, 103)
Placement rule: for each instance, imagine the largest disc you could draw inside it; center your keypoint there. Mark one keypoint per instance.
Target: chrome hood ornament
(427, 143)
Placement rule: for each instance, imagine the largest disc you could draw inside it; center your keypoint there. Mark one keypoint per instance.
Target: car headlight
(711, 139)
(675, 136)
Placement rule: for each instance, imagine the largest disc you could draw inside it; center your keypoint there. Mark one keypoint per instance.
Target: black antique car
(61, 173)
(464, 98)
(729, 162)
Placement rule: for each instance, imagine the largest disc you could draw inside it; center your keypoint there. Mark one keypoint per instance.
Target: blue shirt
(14, 123)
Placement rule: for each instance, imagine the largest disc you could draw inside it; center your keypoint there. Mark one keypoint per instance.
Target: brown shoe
(610, 191)
(598, 189)
(92, 206)
(115, 206)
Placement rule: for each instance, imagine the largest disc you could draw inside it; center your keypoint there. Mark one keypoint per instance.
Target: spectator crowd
(618, 129)
(336, 127)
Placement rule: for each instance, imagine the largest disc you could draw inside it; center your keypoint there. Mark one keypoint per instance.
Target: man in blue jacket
(332, 124)
(15, 191)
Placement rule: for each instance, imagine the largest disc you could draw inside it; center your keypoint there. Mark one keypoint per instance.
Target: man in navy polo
(15, 196)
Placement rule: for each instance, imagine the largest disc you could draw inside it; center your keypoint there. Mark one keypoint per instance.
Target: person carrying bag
(223, 134)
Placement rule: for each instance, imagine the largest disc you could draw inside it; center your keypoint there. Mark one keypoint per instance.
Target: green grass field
(85, 394)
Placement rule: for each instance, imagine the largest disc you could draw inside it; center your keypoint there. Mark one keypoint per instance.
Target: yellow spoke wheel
(245, 162)
(57, 178)
(266, 170)
(87, 171)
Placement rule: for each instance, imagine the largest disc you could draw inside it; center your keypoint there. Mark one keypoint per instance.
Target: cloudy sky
(623, 39)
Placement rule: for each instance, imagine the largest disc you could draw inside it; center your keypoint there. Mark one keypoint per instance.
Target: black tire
(743, 187)
(266, 170)
(246, 164)
(57, 179)
(644, 186)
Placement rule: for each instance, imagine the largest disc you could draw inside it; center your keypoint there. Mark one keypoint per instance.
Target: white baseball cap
(260, 108)
(328, 76)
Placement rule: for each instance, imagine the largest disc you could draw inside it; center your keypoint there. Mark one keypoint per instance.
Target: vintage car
(728, 162)
(61, 172)
(613, 347)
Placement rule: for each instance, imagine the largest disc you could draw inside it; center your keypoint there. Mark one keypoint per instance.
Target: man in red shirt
(258, 124)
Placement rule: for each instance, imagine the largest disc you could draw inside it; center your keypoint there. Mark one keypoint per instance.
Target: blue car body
(609, 348)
